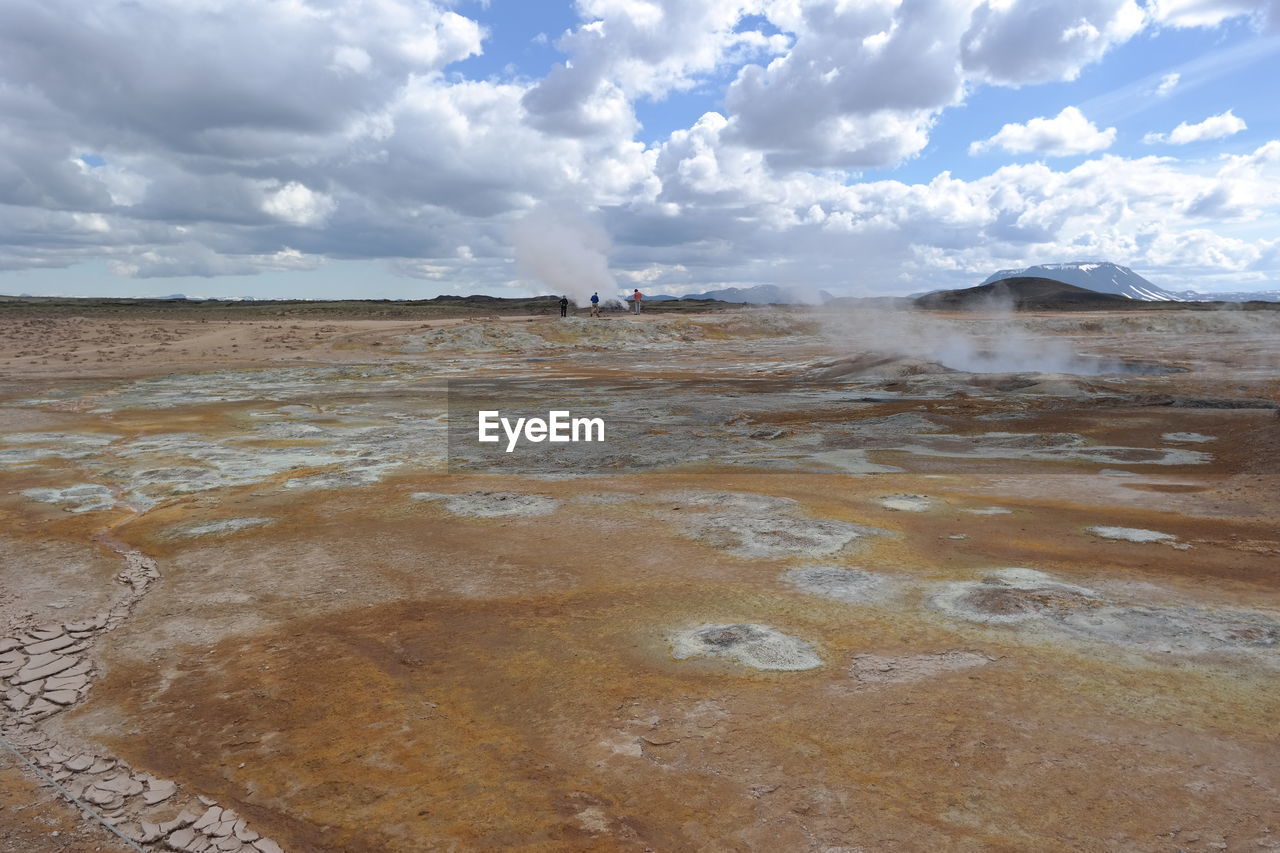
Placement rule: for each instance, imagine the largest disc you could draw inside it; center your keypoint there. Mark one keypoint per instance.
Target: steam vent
(639, 426)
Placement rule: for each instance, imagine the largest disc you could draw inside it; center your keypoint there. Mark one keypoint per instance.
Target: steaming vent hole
(990, 362)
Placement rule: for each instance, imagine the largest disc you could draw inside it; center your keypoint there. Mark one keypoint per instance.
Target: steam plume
(566, 252)
(991, 340)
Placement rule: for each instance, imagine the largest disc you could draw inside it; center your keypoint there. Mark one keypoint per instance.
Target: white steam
(566, 252)
(989, 340)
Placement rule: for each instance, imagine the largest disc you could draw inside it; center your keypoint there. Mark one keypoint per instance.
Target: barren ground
(828, 595)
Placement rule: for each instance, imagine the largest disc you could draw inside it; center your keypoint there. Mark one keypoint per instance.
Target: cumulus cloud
(1214, 127)
(234, 112)
(639, 48)
(1066, 134)
(1244, 187)
(241, 136)
(877, 235)
(1035, 41)
(298, 204)
(861, 86)
(238, 79)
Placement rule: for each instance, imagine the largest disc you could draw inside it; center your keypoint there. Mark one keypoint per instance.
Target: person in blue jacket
(595, 305)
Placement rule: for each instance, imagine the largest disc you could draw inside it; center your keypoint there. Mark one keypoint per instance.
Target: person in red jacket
(636, 299)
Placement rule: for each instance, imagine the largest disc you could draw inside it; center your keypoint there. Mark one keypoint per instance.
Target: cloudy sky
(402, 148)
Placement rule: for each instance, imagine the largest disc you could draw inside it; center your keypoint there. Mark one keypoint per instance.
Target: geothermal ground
(855, 582)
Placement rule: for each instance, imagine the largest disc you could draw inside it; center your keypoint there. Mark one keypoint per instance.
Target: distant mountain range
(1096, 276)
(184, 296)
(1106, 277)
(761, 294)
(1232, 296)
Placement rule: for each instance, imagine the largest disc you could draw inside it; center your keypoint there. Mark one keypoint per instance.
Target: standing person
(564, 306)
(595, 305)
(636, 299)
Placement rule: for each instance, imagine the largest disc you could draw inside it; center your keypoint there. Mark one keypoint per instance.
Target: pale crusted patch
(755, 646)
(221, 527)
(853, 586)
(760, 526)
(906, 503)
(1131, 534)
(1192, 437)
(492, 504)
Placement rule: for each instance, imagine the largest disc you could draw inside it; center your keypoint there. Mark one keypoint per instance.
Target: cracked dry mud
(49, 669)
(831, 598)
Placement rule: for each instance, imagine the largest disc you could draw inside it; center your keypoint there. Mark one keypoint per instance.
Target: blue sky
(405, 148)
(1122, 86)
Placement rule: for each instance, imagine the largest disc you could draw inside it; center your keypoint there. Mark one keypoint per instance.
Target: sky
(404, 149)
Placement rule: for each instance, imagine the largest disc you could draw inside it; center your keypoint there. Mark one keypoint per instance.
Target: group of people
(637, 299)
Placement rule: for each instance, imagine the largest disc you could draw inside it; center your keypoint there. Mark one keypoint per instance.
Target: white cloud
(1201, 248)
(94, 222)
(1167, 84)
(350, 58)
(1034, 41)
(298, 204)
(1066, 134)
(864, 83)
(1244, 188)
(194, 259)
(639, 48)
(866, 236)
(1214, 127)
(861, 86)
(340, 130)
(655, 272)
(424, 269)
(1211, 13)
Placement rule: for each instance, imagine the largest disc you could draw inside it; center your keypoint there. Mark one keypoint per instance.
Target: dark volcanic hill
(1022, 292)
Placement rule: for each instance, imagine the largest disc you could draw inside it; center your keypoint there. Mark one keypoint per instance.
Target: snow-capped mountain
(1234, 296)
(1102, 276)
